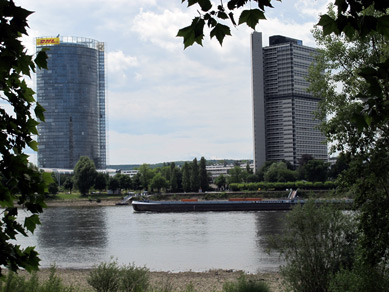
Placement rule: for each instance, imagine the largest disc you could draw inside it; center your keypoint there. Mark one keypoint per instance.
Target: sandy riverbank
(212, 280)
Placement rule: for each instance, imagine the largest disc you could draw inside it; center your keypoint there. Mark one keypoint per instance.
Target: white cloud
(305, 7)
(118, 62)
(160, 28)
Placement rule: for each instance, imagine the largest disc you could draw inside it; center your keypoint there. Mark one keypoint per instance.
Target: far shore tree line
(193, 177)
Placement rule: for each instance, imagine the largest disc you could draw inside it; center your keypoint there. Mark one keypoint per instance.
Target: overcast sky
(165, 103)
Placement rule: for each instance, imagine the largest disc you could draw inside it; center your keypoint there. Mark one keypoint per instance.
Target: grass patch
(16, 283)
(77, 196)
(245, 285)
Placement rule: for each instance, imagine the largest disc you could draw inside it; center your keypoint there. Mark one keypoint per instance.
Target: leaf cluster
(215, 16)
(19, 181)
(352, 17)
(355, 59)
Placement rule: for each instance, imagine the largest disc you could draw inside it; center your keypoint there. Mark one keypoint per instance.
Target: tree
(305, 158)
(100, 181)
(357, 61)
(146, 174)
(126, 182)
(68, 184)
(314, 170)
(84, 174)
(173, 177)
(20, 182)
(158, 182)
(263, 169)
(204, 184)
(186, 177)
(194, 176)
(235, 175)
(114, 183)
(53, 186)
(248, 168)
(316, 244)
(278, 172)
(221, 181)
(342, 163)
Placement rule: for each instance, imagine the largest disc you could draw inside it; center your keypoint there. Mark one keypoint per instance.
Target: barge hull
(207, 206)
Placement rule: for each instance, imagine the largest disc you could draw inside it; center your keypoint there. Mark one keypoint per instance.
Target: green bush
(16, 283)
(134, 279)
(360, 279)
(316, 244)
(245, 285)
(105, 277)
(110, 277)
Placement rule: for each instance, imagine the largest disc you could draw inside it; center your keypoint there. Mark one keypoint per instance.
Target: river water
(81, 237)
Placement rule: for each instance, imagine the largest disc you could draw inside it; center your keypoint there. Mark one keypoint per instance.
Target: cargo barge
(250, 204)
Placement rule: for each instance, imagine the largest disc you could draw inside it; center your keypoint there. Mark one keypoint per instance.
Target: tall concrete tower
(285, 127)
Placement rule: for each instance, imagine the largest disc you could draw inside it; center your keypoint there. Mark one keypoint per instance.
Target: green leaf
(212, 22)
(205, 5)
(383, 25)
(328, 24)
(231, 15)
(31, 126)
(191, 2)
(342, 5)
(220, 31)
(193, 33)
(222, 15)
(39, 110)
(28, 94)
(31, 222)
(263, 3)
(33, 145)
(41, 59)
(251, 17)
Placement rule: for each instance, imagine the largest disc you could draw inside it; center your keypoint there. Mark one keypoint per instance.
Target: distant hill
(177, 163)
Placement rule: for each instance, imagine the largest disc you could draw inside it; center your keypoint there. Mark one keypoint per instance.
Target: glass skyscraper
(72, 90)
(285, 127)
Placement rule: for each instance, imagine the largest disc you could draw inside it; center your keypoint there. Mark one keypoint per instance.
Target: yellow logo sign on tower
(47, 41)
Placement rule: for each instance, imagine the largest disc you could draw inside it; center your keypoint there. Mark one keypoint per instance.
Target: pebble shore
(212, 280)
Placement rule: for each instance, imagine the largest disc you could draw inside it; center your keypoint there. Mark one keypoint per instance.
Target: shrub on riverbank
(245, 285)
(110, 277)
(16, 283)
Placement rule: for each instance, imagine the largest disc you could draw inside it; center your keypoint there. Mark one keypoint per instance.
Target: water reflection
(72, 236)
(77, 237)
(67, 227)
(268, 225)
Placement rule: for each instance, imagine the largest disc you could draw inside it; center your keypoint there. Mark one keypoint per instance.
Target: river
(81, 237)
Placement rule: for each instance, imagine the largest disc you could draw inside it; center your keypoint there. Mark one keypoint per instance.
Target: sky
(165, 103)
